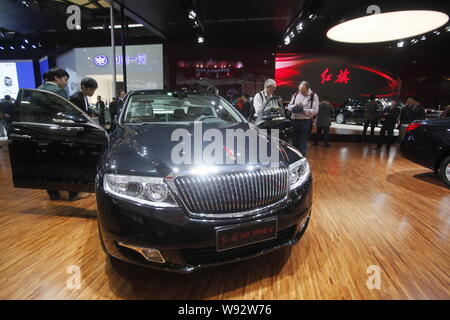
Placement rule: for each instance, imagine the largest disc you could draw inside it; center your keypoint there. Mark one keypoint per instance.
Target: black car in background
(151, 210)
(427, 142)
(352, 111)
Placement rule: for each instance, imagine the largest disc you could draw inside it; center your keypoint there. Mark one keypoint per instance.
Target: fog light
(153, 255)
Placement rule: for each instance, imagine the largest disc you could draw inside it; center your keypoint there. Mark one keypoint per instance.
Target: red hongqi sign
(336, 77)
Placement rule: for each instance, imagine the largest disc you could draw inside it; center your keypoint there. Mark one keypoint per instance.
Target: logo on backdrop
(100, 60)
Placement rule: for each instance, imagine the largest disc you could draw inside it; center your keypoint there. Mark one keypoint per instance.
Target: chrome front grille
(233, 192)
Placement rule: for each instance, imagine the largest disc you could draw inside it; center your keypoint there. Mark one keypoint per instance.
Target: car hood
(149, 150)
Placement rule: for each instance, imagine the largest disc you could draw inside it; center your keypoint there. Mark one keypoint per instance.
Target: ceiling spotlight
(447, 28)
(200, 39)
(26, 41)
(23, 47)
(299, 27)
(33, 46)
(11, 47)
(401, 44)
(287, 40)
(292, 34)
(26, 3)
(437, 32)
(414, 41)
(423, 38)
(2, 48)
(387, 26)
(192, 15)
(311, 16)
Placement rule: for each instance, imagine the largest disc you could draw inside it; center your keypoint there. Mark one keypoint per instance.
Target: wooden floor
(370, 208)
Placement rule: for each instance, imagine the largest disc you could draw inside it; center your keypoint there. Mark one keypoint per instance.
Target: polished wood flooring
(371, 208)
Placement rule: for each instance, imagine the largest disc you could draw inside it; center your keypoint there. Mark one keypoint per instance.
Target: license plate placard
(233, 237)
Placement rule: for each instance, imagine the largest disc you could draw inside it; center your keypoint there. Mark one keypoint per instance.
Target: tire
(340, 118)
(444, 171)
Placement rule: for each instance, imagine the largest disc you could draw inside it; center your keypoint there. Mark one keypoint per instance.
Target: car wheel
(340, 118)
(444, 171)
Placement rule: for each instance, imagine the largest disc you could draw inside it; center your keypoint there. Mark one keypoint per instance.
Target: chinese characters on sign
(342, 77)
(139, 59)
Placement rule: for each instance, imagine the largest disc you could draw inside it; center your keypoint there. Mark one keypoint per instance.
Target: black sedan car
(153, 209)
(352, 111)
(427, 142)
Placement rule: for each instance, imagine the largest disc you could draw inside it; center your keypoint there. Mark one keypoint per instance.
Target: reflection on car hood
(147, 149)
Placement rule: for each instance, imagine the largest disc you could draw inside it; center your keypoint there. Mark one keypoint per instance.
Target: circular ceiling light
(387, 26)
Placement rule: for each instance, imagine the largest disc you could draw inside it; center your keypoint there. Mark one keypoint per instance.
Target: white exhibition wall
(144, 68)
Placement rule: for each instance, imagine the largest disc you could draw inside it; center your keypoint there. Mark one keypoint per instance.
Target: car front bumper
(187, 243)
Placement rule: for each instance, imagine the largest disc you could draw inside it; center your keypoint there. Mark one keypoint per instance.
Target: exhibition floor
(370, 209)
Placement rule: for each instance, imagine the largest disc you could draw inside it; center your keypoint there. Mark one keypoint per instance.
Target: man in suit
(116, 105)
(100, 107)
(120, 101)
(113, 109)
(56, 80)
(80, 98)
(389, 119)
(370, 118)
(323, 122)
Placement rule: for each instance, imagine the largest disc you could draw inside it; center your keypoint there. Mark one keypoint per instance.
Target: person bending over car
(56, 80)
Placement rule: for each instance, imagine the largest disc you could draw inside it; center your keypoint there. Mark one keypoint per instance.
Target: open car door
(53, 145)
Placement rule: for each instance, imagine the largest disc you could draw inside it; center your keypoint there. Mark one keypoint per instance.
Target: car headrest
(195, 111)
(179, 113)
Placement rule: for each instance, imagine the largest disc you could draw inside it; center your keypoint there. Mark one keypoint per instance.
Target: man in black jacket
(406, 117)
(370, 117)
(419, 111)
(389, 118)
(100, 107)
(80, 98)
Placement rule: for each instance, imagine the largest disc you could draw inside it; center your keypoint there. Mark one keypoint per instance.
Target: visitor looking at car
(261, 97)
(406, 117)
(323, 122)
(370, 117)
(304, 106)
(389, 118)
(80, 98)
(56, 80)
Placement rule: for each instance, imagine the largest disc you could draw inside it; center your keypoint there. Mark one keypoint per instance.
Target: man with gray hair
(304, 106)
(261, 97)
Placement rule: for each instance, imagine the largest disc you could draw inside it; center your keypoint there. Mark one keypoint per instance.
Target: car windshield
(171, 108)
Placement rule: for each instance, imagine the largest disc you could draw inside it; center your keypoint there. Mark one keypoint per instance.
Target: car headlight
(298, 173)
(144, 190)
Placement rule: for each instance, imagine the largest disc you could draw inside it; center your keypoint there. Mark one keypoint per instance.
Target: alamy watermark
(225, 147)
(74, 281)
(374, 281)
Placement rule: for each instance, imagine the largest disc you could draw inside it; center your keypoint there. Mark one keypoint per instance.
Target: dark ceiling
(221, 22)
